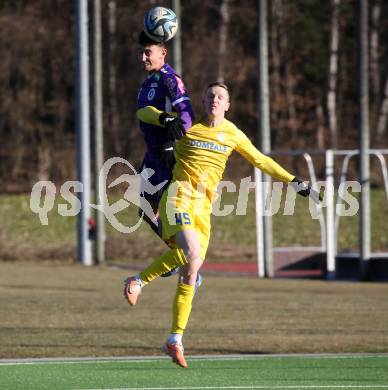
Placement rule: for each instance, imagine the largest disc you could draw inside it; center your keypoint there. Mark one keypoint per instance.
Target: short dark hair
(145, 40)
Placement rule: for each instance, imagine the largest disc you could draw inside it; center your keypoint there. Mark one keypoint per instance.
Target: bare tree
(37, 81)
(374, 63)
(380, 106)
(276, 60)
(333, 73)
(320, 121)
(114, 120)
(224, 11)
(383, 117)
(288, 76)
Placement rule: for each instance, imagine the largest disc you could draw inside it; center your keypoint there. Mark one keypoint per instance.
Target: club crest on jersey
(221, 137)
(151, 94)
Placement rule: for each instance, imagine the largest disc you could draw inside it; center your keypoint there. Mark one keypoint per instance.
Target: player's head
(216, 100)
(152, 54)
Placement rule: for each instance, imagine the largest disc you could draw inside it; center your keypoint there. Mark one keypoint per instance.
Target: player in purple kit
(164, 90)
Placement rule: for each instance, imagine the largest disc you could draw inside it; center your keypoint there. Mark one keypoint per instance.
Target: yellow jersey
(201, 156)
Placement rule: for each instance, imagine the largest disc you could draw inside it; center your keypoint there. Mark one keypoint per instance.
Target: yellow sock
(182, 307)
(168, 261)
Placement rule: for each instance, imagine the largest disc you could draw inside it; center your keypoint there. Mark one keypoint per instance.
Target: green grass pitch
(233, 372)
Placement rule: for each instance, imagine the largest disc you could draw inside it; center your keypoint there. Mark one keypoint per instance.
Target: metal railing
(329, 227)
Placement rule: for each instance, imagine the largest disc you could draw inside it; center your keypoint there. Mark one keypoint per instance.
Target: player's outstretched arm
(272, 168)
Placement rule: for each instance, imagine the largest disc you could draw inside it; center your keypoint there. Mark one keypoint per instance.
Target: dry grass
(59, 309)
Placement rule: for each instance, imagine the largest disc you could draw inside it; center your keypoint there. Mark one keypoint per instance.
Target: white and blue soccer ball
(160, 24)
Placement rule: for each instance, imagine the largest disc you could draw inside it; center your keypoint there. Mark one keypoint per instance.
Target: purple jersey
(165, 91)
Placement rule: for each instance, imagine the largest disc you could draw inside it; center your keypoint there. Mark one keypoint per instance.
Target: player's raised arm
(272, 168)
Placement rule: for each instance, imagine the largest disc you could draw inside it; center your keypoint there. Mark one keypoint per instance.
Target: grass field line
(149, 359)
(258, 387)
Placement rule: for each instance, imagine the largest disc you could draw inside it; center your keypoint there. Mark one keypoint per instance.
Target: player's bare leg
(157, 228)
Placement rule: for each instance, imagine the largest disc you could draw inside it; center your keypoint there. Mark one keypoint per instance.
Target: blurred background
(313, 80)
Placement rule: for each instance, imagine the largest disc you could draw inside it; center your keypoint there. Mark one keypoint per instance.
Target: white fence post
(330, 229)
(259, 203)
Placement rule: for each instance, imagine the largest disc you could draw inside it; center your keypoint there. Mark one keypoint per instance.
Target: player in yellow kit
(185, 208)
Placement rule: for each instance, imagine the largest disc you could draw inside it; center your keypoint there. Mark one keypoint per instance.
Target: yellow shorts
(178, 214)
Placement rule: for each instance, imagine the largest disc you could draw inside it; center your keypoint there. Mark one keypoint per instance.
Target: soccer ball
(160, 24)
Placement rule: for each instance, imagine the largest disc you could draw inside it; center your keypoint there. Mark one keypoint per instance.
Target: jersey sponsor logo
(208, 145)
(154, 85)
(151, 94)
